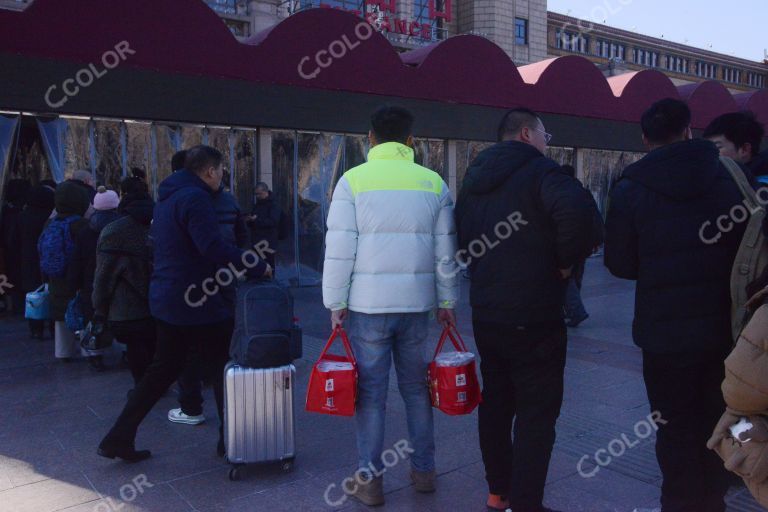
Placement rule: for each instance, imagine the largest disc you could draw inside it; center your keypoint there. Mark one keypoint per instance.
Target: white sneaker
(647, 510)
(176, 416)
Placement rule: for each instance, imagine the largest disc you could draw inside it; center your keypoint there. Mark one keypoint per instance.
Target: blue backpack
(55, 246)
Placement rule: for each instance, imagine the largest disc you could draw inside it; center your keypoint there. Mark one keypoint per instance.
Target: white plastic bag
(454, 359)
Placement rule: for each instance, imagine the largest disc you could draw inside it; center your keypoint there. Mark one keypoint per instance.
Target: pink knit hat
(105, 199)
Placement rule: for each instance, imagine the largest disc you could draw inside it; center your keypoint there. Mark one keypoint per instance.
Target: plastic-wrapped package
(454, 359)
(333, 366)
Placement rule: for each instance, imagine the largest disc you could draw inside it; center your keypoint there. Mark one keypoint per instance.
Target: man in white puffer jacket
(390, 262)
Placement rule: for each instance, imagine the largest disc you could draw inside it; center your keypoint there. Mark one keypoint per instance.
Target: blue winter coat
(188, 250)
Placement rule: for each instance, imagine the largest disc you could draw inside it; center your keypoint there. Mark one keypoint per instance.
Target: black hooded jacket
(520, 219)
(661, 230)
(31, 223)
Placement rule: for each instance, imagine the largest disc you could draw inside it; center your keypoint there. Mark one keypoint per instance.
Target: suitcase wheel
(235, 473)
(287, 466)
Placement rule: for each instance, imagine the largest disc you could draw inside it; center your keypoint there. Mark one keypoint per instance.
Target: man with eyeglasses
(523, 223)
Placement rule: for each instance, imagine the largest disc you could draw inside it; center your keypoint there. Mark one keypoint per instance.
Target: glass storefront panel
(191, 135)
(320, 163)
(283, 160)
(219, 138)
(29, 161)
(601, 170)
(421, 151)
(167, 143)
(244, 158)
(138, 144)
(461, 163)
(108, 153)
(436, 158)
(355, 151)
(561, 155)
(76, 146)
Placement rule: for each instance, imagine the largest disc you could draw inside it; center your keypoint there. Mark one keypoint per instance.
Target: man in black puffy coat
(660, 231)
(522, 225)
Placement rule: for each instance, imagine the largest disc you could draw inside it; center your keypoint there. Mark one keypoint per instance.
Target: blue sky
(732, 27)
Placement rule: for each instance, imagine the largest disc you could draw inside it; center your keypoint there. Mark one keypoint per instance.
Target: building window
(583, 44)
(706, 70)
(732, 75)
(571, 41)
(521, 31)
(756, 80)
(601, 49)
(645, 57)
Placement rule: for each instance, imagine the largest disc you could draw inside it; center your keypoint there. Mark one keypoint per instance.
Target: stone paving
(54, 414)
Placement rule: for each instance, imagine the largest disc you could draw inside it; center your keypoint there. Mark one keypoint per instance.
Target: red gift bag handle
(339, 331)
(450, 332)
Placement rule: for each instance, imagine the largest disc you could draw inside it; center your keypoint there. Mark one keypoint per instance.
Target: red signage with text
(382, 15)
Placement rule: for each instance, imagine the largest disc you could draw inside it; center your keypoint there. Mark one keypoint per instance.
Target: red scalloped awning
(187, 37)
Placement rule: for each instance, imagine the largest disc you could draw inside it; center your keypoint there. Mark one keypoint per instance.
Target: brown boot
(423, 481)
(370, 493)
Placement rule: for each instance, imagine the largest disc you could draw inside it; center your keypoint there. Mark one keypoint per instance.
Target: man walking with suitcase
(188, 252)
(389, 262)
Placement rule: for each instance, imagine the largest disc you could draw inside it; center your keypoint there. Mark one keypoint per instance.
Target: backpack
(263, 325)
(56, 245)
(752, 256)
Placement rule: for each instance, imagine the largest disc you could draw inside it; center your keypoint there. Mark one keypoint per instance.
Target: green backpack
(752, 256)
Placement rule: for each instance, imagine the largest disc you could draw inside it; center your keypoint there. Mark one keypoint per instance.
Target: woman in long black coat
(39, 206)
(16, 191)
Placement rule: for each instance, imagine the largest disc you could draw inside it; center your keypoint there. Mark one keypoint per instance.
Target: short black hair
(199, 158)
(392, 124)
(133, 185)
(515, 120)
(262, 186)
(178, 159)
(738, 127)
(665, 121)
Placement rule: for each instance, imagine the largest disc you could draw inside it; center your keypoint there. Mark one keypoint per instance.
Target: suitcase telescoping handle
(339, 332)
(453, 334)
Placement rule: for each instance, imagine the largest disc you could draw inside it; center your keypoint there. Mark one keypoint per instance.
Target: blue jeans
(376, 339)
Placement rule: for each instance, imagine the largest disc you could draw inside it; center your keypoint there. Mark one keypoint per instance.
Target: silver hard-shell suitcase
(258, 416)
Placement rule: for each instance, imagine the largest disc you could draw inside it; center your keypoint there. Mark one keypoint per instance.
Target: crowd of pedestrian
(122, 264)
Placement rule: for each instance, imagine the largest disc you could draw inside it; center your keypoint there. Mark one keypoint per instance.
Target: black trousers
(140, 339)
(191, 385)
(522, 383)
(173, 344)
(685, 390)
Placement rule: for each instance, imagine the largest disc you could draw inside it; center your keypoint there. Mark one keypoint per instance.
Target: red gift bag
(454, 389)
(333, 382)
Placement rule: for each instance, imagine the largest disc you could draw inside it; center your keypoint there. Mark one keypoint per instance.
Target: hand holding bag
(333, 382)
(453, 384)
